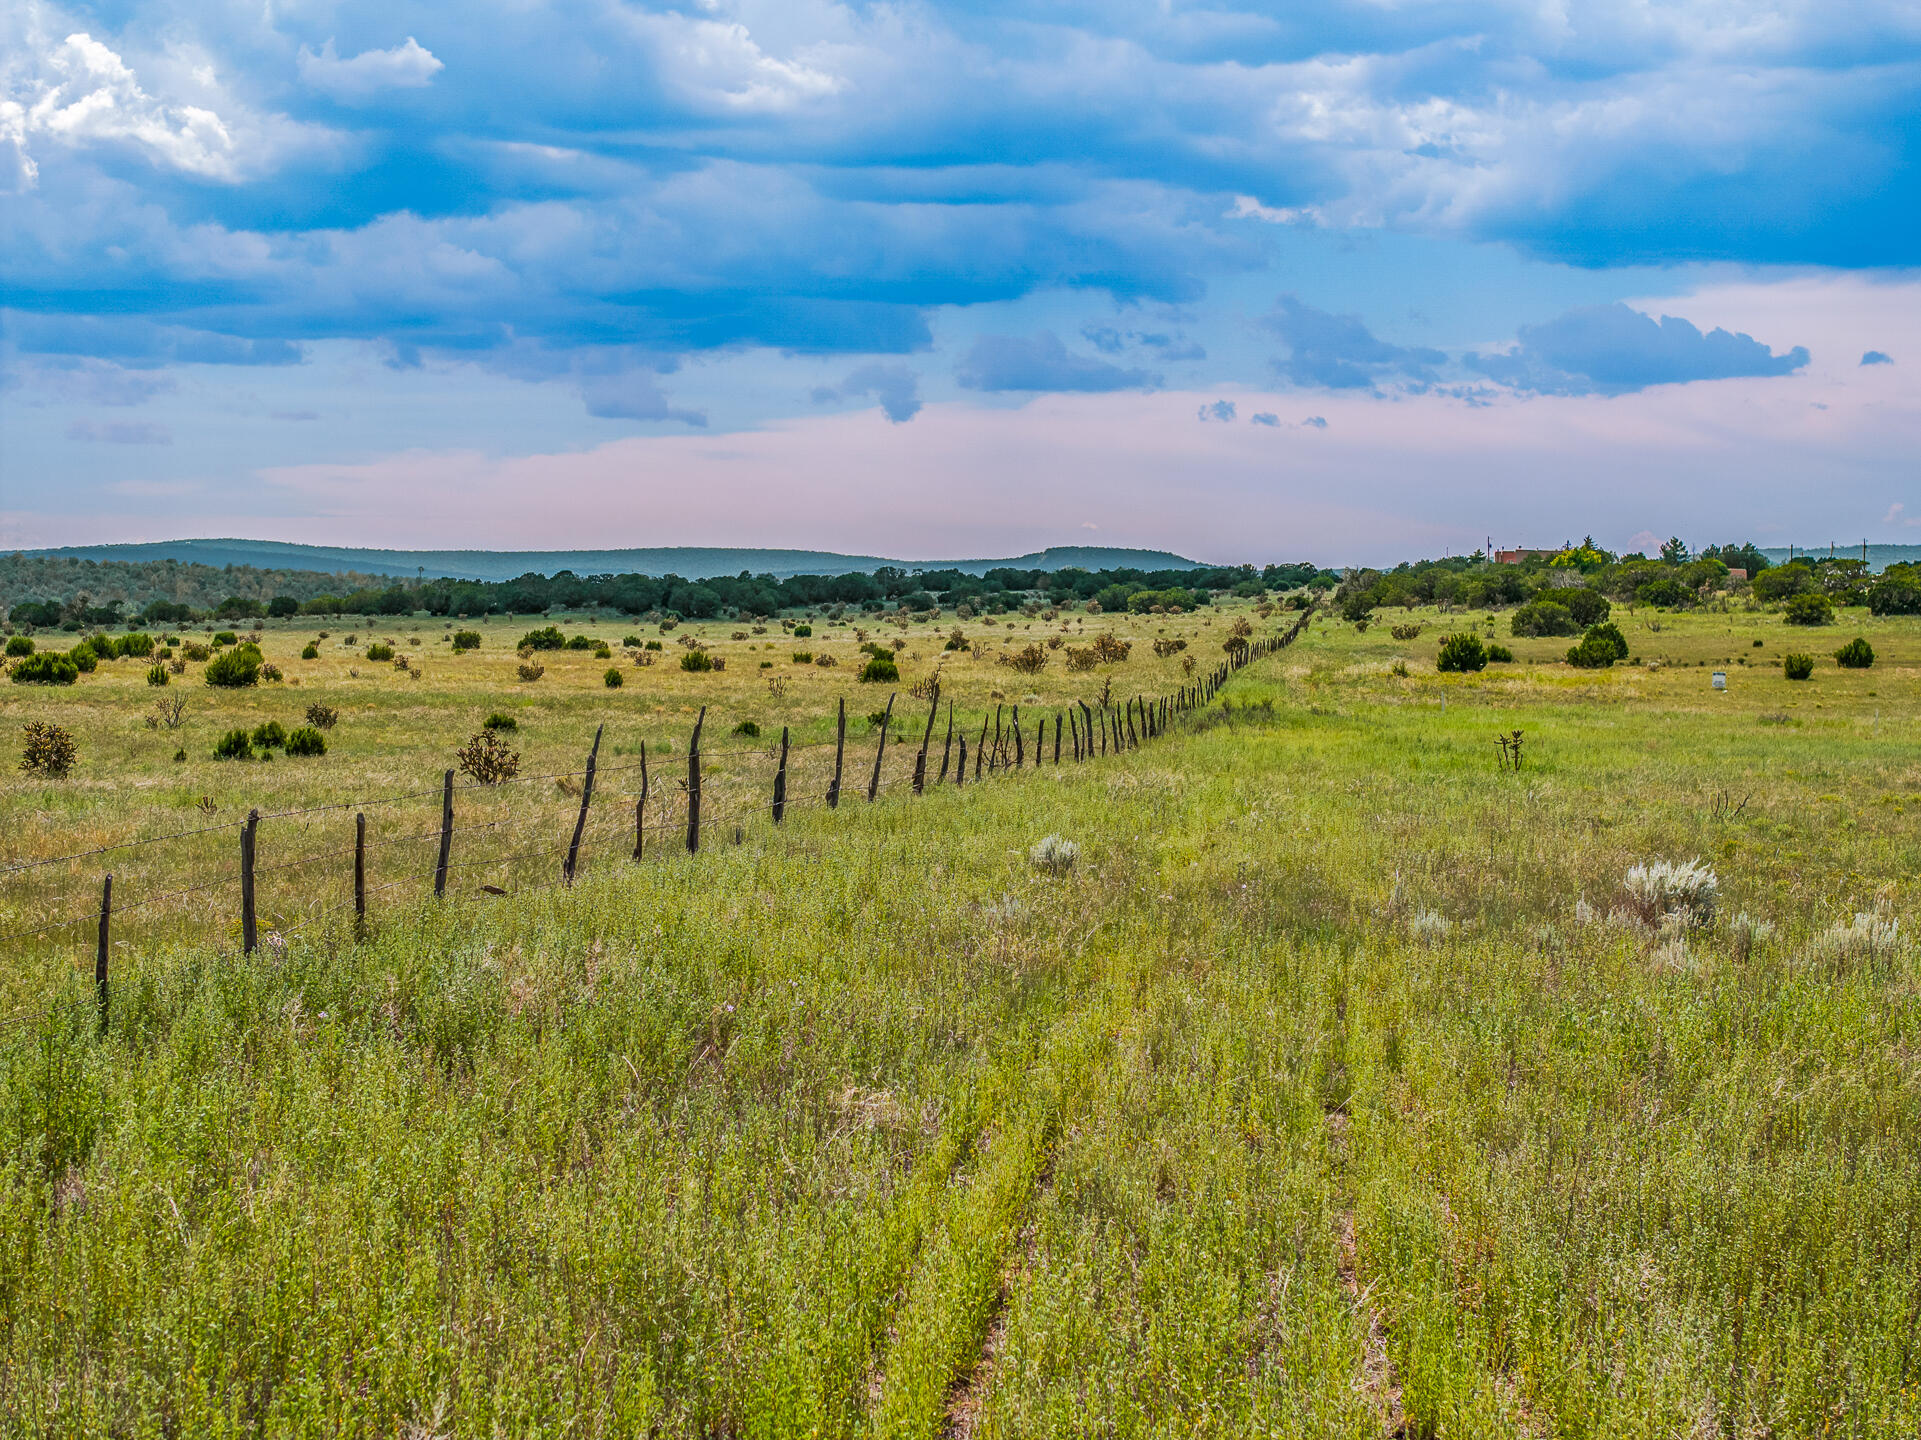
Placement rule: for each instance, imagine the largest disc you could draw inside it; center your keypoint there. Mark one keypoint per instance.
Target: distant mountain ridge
(689, 561)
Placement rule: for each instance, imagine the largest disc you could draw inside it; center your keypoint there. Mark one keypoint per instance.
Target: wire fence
(284, 873)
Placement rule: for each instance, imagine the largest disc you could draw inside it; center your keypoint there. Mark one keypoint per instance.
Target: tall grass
(874, 1126)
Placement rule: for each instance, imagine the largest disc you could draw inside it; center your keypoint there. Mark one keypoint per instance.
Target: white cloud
(82, 92)
(1246, 207)
(407, 66)
(719, 63)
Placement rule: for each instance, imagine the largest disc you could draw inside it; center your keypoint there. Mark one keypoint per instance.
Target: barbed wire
(726, 803)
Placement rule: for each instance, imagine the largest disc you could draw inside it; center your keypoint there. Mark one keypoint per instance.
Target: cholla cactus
(1661, 890)
(1054, 855)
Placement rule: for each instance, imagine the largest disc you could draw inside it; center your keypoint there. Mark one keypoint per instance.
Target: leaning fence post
(873, 783)
(249, 932)
(640, 805)
(1057, 737)
(840, 751)
(999, 743)
(1020, 750)
(1074, 734)
(980, 747)
(920, 760)
(360, 870)
(586, 799)
(780, 780)
(693, 784)
(100, 956)
(947, 750)
(960, 774)
(446, 834)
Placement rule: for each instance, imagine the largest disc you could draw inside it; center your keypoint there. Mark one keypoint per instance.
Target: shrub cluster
(880, 669)
(1811, 608)
(468, 640)
(548, 637)
(50, 749)
(233, 669)
(1857, 654)
(1797, 666)
(1462, 653)
(234, 745)
(45, 668)
(306, 740)
(380, 650)
(1540, 618)
(1599, 648)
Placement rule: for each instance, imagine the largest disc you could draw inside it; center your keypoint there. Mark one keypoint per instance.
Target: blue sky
(1346, 280)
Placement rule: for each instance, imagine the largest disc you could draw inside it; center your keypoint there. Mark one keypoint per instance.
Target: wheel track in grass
(946, 1337)
(969, 1393)
(1376, 1380)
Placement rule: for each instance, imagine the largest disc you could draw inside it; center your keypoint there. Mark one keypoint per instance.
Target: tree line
(889, 587)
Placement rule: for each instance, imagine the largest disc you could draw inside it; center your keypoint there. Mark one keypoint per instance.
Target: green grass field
(1330, 1092)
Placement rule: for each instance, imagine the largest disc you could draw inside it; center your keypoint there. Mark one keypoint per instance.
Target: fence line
(680, 806)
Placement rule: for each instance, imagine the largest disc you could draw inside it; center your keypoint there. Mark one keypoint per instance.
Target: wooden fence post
(947, 750)
(980, 747)
(780, 780)
(100, 955)
(1020, 750)
(840, 750)
(586, 799)
(999, 742)
(640, 805)
(1074, 734)
(873, 783)
(1057, 737)
(249, 931)
(446, 833)
(920, 760)
(960, 772)
(360, 871)
(693, 785)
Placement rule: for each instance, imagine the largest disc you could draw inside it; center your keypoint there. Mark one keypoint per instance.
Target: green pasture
(1331, 1091)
